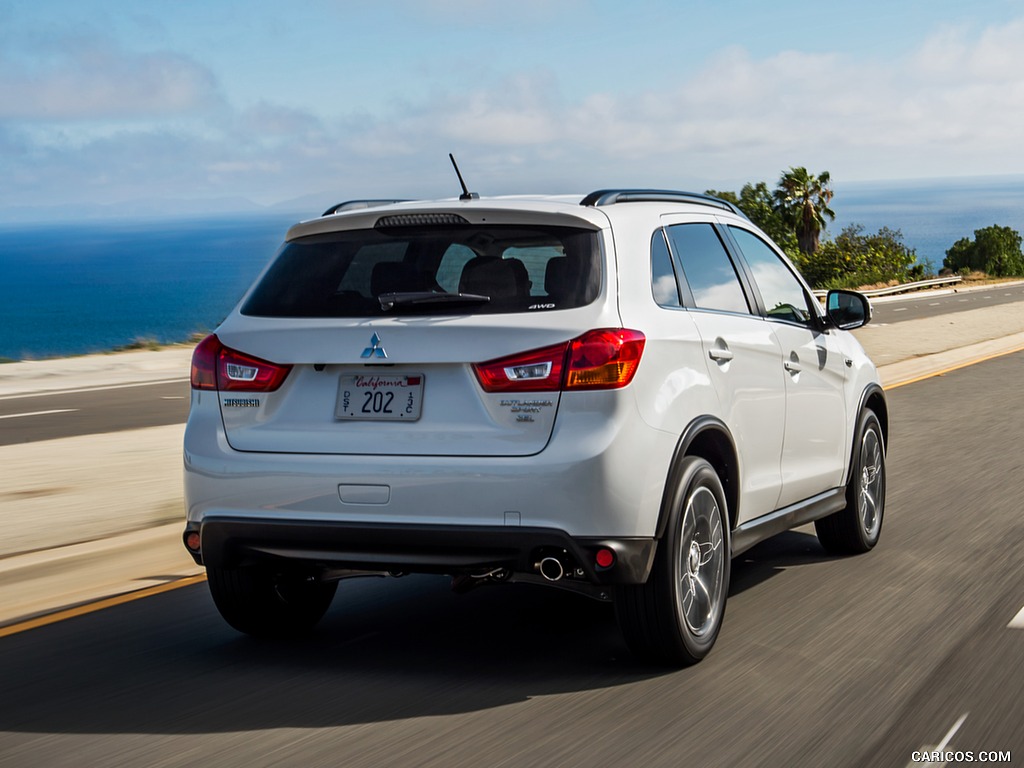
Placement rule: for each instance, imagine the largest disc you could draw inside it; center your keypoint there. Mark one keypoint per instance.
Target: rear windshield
(425, 269)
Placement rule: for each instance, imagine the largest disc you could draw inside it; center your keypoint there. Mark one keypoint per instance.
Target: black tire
(666, 620)
(265, 602)
(855, 529)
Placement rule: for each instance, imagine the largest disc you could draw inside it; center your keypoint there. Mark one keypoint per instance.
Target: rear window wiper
(419, 298)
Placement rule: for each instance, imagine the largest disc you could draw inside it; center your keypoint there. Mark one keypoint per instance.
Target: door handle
(720, 355)
(792, 366)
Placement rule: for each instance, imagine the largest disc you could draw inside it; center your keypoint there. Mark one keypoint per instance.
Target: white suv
(614, 395)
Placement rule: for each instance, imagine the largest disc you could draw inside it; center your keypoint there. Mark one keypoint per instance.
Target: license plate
(391, 397)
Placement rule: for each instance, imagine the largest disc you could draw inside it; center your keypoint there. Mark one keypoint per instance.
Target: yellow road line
(99, 605)
(956, 367)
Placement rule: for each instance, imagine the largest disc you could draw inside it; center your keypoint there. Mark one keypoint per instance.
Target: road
(822, 661)
(27, 418)
(922, 305)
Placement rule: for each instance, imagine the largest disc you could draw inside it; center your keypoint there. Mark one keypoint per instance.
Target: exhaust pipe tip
(551, 568)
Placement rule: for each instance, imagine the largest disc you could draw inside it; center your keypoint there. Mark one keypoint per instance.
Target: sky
(111, 105)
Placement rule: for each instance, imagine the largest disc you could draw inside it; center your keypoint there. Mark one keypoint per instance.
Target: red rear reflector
(604, 558)
(192, 541)
(215, 366)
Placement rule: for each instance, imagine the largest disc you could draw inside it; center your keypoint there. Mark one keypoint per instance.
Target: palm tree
(802, 199)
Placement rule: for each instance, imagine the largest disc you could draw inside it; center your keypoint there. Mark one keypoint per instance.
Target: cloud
(952, 105)
(95, 79)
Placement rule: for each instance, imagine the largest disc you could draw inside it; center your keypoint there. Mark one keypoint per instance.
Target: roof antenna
(466, 194)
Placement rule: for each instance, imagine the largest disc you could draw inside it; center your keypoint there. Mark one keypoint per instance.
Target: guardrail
(903, 287)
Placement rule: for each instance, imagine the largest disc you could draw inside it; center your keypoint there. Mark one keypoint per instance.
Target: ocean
(76, 288)
(932, 215)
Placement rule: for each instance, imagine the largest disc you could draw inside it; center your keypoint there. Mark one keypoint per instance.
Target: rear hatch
(369, 340)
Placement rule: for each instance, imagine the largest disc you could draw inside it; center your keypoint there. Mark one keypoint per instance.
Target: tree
(995, 250)
(758, 204)
(802, 200)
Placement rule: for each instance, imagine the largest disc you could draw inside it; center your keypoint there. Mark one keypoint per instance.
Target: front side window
(784, 297)
(466, 269)
(708, 270)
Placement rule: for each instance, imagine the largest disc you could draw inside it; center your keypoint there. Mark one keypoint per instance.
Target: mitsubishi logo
(375, 349)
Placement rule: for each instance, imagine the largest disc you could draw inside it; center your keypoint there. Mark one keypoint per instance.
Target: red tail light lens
(215, 366)
(204, 363)
(606, 358)
(536, 371)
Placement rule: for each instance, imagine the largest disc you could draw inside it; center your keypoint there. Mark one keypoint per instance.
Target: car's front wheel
(856, 528)
(675, 617)
(269, 602)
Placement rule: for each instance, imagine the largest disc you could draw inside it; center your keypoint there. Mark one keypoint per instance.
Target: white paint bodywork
(592, 464)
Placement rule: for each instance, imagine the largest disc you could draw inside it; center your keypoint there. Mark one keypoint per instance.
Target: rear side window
(663, 275)
(436, 270)
(708, 270)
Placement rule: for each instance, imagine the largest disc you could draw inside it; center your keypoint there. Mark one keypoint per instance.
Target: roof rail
(612, 196)
(356, 205)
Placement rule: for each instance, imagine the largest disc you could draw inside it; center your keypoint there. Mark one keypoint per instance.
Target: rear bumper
(228, 542)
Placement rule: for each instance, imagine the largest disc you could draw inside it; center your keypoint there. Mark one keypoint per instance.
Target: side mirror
(847, 309)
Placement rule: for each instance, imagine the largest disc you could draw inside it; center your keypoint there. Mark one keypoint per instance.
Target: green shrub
(994, 250)
(853, 259)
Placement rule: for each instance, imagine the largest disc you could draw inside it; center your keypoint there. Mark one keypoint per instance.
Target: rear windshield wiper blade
(414, 298)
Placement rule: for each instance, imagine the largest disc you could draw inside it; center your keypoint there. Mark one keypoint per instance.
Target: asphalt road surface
(924, 305)
(28, 418)
(822, 661)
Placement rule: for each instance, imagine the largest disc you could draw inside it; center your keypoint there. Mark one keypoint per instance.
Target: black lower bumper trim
(229, 542)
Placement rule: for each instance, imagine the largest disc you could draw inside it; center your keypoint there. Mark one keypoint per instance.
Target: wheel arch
(872, 398)
(710, 439)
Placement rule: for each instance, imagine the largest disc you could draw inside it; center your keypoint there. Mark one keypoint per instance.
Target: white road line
(102, 388)
(1017, 622)
(934, 304)
(952, 732)
(900, 309)
(942, 745)
(176, 397)
(38, 413)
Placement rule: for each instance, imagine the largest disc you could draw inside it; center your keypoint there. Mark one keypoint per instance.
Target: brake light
(215, 366)
(536, 371)
(204, 363)
(606, 358)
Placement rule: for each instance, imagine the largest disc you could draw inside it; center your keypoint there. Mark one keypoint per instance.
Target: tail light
(606, 358)
(536, 371)
(215, 366)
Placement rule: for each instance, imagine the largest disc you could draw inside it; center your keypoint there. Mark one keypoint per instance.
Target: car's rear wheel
(675, 617)
(269, 602)
(855, 528)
